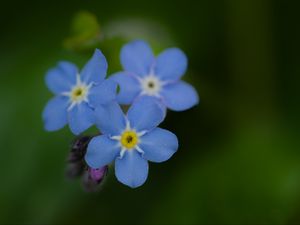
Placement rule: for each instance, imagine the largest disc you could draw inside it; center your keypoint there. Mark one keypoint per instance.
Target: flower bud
(97, 175)
(75, 160)
(78, 148)
(93, 178)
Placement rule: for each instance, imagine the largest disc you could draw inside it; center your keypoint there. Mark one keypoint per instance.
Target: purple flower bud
(93, 178)
(97, 175)
(77, 167)
(75, 160)
(78, 148)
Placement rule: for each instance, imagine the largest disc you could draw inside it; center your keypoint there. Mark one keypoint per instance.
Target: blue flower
(159, 77)
(77, 94)
(131, 140)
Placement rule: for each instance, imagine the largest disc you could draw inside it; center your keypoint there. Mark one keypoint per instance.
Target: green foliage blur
(239, 155)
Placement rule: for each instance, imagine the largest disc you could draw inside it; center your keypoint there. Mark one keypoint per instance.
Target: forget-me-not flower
(131, 140)
(77, 94)
(145, 74)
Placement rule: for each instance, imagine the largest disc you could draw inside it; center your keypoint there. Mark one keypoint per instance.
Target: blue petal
(145, 113)
(95, 69)
(69, 68)
(61, 78)
(129, 87)
(180, 96)
(158, 145)
(131, 169)
(110, 119)
(102, 93)
(80, 118)
(171, 64)
(137, 58)
(55, 113)
(101, 151)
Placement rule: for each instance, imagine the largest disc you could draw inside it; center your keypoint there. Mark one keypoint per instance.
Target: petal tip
(132, 184)
(98, 52)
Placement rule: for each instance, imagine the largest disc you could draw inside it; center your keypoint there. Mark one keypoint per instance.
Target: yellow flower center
(78, 93)
(129, 139)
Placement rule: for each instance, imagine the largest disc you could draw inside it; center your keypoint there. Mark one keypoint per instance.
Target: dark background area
(239, 156)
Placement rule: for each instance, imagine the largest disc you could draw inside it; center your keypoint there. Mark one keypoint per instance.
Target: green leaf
(85, 32)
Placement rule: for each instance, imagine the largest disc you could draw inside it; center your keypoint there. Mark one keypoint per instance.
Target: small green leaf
(85, 32)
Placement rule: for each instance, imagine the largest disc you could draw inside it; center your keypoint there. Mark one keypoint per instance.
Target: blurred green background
(239, 156)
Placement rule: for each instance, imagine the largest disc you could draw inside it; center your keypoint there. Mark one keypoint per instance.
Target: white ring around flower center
(151, 85)
(78, 93)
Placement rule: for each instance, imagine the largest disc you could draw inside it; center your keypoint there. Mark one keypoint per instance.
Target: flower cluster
(149, 84)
